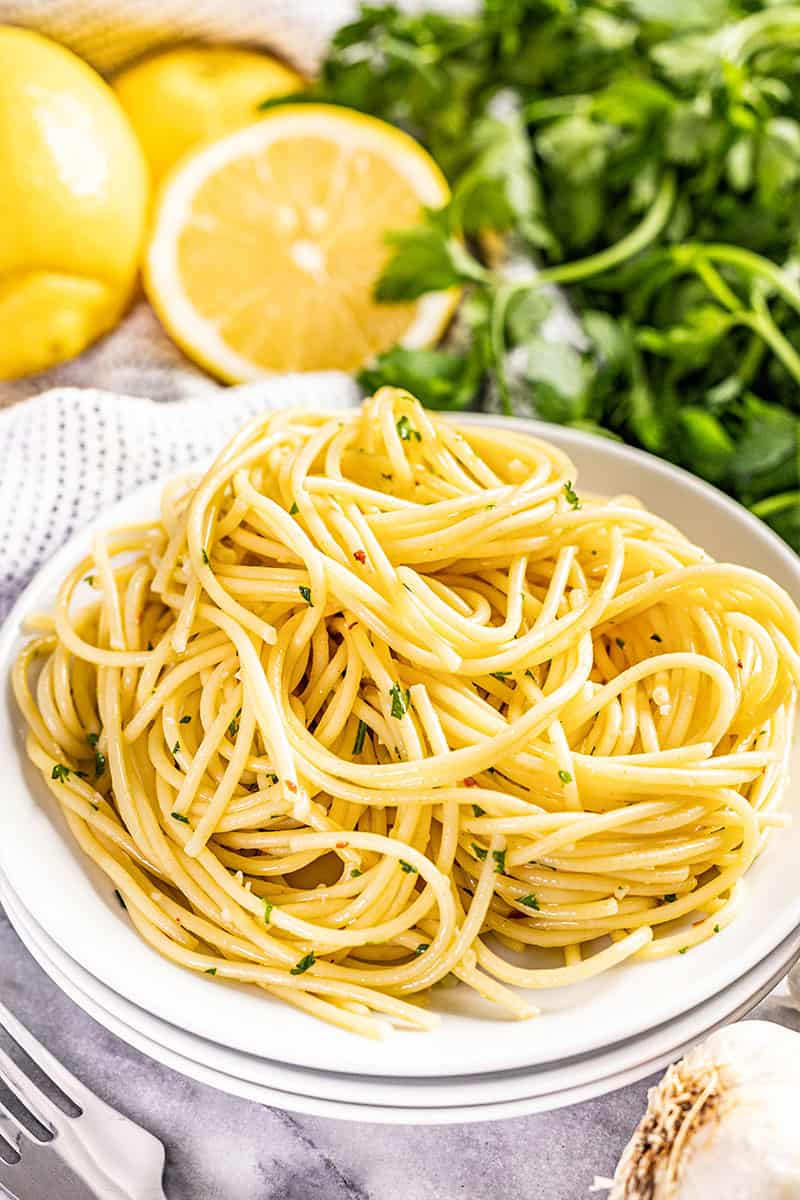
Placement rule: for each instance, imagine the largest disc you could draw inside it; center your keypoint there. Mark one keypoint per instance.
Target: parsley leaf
(361, 733)
(406, 431)
(305, 962)
(400, 700)
(573, 499)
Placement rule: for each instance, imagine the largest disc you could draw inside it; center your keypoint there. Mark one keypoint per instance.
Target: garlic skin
(723, 1123)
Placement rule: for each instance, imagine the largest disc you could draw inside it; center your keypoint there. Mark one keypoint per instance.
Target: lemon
(73, 199)
(181, 97)
(267, 243)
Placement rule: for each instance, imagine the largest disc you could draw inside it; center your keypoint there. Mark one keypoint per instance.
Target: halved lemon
(266, 244)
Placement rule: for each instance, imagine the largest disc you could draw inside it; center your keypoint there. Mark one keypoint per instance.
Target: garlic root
(723, 1123)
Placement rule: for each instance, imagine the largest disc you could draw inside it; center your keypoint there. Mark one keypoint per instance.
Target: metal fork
(111, 1156)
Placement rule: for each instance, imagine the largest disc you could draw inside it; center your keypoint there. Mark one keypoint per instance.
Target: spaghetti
(381, 697)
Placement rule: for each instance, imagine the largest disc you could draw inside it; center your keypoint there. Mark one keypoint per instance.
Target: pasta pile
(382, 700)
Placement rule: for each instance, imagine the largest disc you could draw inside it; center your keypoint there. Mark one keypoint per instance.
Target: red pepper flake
(470, 782)
(291, 786)
(360, 556)
(342, 845)
(739, 664)
(353, 625)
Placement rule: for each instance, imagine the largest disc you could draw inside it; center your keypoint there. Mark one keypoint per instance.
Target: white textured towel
(67, 455)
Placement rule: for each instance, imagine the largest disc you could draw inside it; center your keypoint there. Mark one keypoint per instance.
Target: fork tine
(10, 1122)
(21, 1085)
(72, 1088)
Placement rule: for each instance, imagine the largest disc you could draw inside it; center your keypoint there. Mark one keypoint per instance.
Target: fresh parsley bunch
(644, 155)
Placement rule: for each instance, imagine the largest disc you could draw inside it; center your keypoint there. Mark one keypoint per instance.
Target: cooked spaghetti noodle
(381, 696)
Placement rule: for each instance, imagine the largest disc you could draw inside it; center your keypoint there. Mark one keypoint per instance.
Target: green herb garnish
(573, 499)
(305, 592)
(400, 701)
(205, 556)
(307, 961)
(185, 720)
(294, 510)
(499, 857)
(211, 971)
(267, 911)
(406, 430)
(60, 772)
(176, 816)
(407, 867)
(565, 776)
(529, 901)
(478, 851)
(422, 947)
(478, 811)
(361, 733)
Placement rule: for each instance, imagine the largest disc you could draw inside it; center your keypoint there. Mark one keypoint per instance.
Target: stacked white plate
(591, 1038)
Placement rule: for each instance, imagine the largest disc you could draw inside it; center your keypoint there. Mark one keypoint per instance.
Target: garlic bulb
(723, 1123)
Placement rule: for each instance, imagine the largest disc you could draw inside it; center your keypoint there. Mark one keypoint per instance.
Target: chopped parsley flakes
(307, 961)
(361, 733)
(267, 911)
(478, 851)
(573, 499)
(407, 867)
(565, 776)
(176, 816)
(305, 592)
(406, 430)
(529, 901)
(499, 857)
(400, 700)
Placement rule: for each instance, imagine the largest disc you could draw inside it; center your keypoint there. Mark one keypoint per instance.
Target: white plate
(86, 920)
(483, 1098)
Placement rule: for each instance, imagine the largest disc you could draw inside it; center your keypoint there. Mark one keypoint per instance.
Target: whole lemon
(73, 201)
(179, 98)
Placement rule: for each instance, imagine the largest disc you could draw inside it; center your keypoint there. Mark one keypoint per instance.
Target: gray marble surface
(223, 1148)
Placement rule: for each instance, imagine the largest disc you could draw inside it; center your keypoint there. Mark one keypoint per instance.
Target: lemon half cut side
(266, 244)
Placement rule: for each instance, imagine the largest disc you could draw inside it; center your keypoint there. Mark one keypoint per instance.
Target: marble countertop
(223, 1148)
